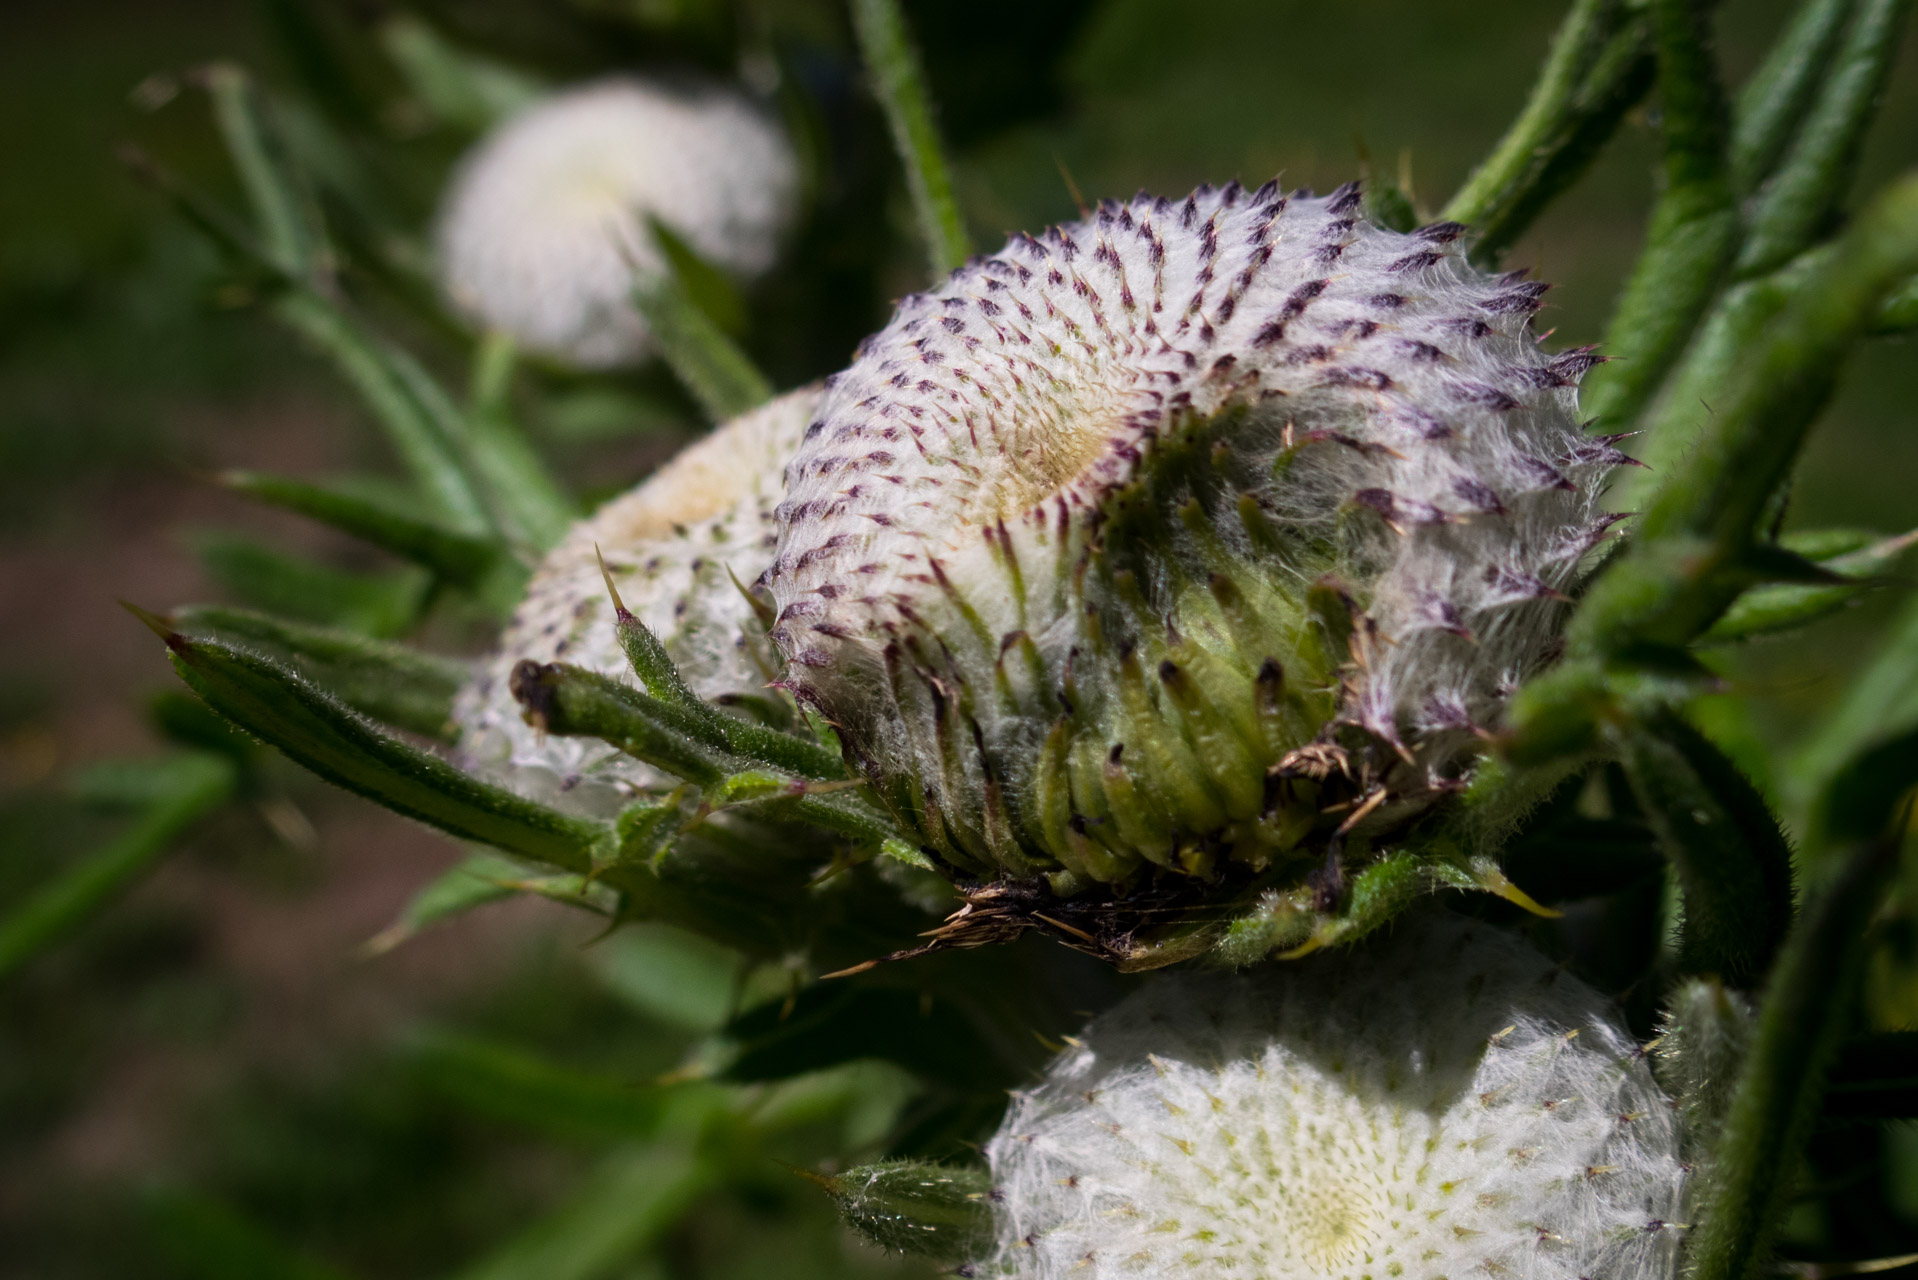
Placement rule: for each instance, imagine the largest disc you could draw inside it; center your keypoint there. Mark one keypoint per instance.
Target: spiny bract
(674, 547)
(1171, 537)
(544, 228)
(1442, 1103)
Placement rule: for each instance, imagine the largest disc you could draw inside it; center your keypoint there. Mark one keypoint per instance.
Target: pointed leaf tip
(160, 624)
(620, 610)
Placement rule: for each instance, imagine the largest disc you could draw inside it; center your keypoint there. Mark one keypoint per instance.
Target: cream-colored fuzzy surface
(543, 228)
(673, 545)
(1440, 1104)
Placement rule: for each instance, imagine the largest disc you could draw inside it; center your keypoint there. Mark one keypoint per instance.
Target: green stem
(1800, 1028)
(282, 211)
(455, 558)
(1773, 102)
(1694, 231)
(529, 497)
(1686, 564)
(899, 82)
(1695, 551)
(1801, 197)
(418, 435)
(1574, 47)
(1691, 398)
(711, 366)
(1881, 698)
(1733, 864)
(198, 784)
(1599, 65)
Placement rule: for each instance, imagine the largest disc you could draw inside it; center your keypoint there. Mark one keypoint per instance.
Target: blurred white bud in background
(545, 225)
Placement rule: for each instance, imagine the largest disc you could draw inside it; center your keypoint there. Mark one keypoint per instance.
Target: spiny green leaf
(899, 82)
(457, 558)
(935, 1211)
(571, 700)
(1339, 906)
(286, 711)
(391, 683)
(182, 789)
(374, 604)
(386, 379)
(431, 435)
(1771, 609)
(681, 707)
(474, 881)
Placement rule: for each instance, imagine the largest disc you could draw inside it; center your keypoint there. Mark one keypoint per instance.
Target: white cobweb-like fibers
(1368, 399)
(543, 228)
(674, 546)
(1442, 1103)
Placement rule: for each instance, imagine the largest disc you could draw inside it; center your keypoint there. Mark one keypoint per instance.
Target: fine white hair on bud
(1153, 545)
(544, 228)
(1441, 1103)
(674, 546)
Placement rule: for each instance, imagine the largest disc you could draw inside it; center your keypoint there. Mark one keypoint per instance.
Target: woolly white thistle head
(544, 229)
(674, 547)
(1153, 545)
(1444, 1103)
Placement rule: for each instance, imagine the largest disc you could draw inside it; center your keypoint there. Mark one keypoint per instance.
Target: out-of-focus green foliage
(622, 1108)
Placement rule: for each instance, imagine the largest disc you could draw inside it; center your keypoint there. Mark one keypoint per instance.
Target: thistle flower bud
(1445, 1103)
(1155, 544)
(677, 548)
(544, 227)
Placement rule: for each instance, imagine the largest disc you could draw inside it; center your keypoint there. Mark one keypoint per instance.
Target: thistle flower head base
(1445, 1103)
(1176, 542)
